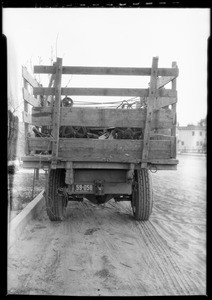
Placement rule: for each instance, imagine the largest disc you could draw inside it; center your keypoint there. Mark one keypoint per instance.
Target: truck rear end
(100, 153)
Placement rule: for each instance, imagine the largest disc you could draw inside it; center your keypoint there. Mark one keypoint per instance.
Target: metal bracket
(130, 173)
(99, 187)
(69, 179)
(54, 164)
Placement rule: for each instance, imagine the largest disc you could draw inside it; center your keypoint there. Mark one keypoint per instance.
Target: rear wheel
(142, 195)
(55, 202)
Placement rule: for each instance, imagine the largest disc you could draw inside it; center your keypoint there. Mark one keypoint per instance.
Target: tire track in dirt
(112, 251)
(105, 241)
(114, 254)
(165, 249)
(166, 260)
(182, 286)
(177, 249)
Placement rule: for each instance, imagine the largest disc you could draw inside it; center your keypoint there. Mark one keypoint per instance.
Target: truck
(100, 153)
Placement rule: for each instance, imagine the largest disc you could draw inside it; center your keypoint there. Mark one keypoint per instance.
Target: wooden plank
(42, 116)
(164, 167)
(117, 145)
(101, 165)
(98, 144)
(149, 115)
(173, 147)
(29, 98)
(103, 92)
(161, 137)
(44, 158)
(96, 165)
(161, 102)
(103, 150)
(61, 165)
(106, 71)
(109, 152)
(26, 75)
(174, 109)
(169, 161)
(48, 98)
(163, 80)
(27, 118)
(56, 112)
(95, 117)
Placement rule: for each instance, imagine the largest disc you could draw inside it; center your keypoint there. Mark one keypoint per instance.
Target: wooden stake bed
(155, 150)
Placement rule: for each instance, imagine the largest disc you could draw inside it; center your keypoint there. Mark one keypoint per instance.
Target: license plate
(83, 188)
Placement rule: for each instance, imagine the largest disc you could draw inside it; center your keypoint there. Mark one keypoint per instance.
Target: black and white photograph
(106, 150)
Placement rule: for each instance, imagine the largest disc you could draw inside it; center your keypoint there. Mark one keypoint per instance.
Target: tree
(202, 122)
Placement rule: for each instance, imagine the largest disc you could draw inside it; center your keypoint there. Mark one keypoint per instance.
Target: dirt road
(102, 250)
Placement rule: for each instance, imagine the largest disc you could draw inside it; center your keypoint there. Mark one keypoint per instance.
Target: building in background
(191, 138)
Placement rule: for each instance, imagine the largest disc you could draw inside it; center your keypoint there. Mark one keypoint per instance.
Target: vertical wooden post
(50, 84)
(173, 129)
(56, 112)
(150, 103)
(26, 125)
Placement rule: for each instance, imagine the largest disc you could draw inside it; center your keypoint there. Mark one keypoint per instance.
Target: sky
(112, 37)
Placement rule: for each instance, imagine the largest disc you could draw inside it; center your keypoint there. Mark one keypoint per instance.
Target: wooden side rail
(96, 117)
(106, 71)
(76, 149)
(28, 80)
(159, 114)
(174, 109)
(104, 92)
(43, 161)
(149, 114)
(56, 112)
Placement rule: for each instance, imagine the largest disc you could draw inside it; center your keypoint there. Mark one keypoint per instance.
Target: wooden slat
(94, 117)
(60, 164)
(29, 77)
(48, 98)
(96, 165)
(169, 161)
(103, 92)
(103, 150)
(161, 137)
(161, 102)
(29, 98)
(164, 167)
(98, 144)
(106, 71)
(149, 115)
(161, 81)
(56, 112)
(27, 118)
(174, 108)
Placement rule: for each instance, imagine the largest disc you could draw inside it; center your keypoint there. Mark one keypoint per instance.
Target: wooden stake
(26, 125)
(174, 109)
(56, 112)
(150, 105)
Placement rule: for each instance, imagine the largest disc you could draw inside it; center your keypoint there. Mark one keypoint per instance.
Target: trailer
(94, 160)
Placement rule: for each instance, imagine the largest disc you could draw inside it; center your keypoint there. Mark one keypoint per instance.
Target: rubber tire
(142, 195)
(55, 203)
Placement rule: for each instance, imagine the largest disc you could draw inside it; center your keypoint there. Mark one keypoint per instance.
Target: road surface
(102, 250)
